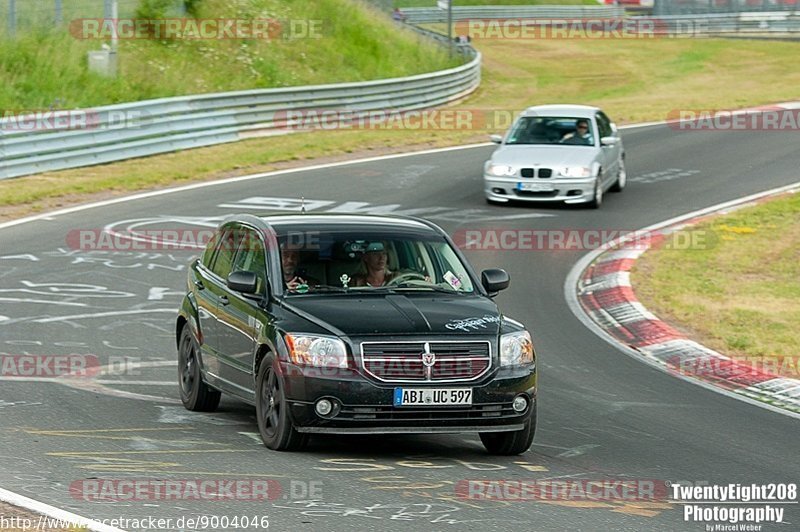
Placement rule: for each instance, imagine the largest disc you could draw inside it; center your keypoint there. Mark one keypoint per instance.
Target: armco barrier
(423, 15)
(767, 22)
(126, 131)
(761, 23)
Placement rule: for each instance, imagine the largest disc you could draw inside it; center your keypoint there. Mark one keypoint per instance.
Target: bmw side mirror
(497, 139)
(494, 280)
(614, 127)
(244, 282)
(609, 141)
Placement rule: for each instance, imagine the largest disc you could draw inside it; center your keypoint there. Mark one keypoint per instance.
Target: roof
(345, 219)
(576, 111)
(335, 222)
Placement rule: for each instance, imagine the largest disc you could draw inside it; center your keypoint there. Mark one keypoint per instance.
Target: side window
(603, 125)
(211, 247)
(226, 248)
(252, 258)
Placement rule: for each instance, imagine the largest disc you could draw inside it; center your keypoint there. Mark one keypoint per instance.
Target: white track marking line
(574, 276)
(54, 513)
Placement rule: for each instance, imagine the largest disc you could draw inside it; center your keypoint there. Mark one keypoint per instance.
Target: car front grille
(403, 361)
(536, 172)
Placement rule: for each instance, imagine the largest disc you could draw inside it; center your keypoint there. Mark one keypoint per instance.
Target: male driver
(580, 136)
(293, 277)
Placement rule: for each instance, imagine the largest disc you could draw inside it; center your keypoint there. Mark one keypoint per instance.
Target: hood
(398, 314)
(550, 156)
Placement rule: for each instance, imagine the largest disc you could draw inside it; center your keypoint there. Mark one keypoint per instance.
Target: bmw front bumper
(567, 190)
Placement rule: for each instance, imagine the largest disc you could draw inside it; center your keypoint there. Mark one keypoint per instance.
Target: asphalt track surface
(602, 414)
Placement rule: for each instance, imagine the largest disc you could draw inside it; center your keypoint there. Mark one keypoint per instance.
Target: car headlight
(516, 349)
(500, 170)
(575, 171)
(319, 351)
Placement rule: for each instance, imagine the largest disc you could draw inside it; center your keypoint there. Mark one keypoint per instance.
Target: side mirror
(614, 127)
(244, 282)
(497, 139)
(494, 280)
(609, 141)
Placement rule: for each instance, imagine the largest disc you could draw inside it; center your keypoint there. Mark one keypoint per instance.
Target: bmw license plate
(535, 187)
(432, 396)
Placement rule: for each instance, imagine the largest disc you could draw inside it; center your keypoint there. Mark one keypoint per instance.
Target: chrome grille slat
(401, 362)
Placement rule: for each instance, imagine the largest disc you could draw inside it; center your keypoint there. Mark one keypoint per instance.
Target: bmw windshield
(552, 130)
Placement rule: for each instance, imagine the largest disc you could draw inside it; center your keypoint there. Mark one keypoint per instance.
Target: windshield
(337, 262)
(552, 130)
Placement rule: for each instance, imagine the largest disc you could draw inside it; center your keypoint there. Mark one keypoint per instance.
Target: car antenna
(302, 205)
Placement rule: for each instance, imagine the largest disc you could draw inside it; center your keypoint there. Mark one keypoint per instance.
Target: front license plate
(432, 396)
(535, 187)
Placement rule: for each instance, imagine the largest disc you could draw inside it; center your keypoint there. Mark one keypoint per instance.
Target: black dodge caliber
(351, 324)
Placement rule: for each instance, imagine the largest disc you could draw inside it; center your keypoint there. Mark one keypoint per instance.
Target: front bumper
(365, 406)
(568, 190)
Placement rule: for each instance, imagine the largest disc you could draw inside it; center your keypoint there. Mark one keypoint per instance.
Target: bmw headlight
(575, 171)
(319, 351)
(516, 349)
(500, 170)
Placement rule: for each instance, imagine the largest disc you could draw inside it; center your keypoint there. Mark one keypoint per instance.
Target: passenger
(373, 269)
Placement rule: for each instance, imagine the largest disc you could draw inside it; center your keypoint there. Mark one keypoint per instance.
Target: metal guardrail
(694, 7)
(423, 15)
(767, 22)
(125, 131)
(786, 22)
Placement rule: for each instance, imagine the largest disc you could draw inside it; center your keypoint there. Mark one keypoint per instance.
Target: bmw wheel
(622, 177)
(597, 199)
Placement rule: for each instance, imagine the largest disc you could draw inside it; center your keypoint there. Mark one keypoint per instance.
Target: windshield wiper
(412, 286)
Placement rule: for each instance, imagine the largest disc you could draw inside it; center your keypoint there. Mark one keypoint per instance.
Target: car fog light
(520, 403)
(323, 407)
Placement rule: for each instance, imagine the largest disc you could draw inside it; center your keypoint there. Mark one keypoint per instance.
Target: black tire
(511, 443)
(622, 177)
(196, 395)
(597, 200)
(272, 412)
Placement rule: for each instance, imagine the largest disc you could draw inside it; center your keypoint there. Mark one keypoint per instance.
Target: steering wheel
(407, 276)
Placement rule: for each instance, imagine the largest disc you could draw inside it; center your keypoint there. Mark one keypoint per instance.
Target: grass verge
(347, 42)
(741, 295)
(633, 80)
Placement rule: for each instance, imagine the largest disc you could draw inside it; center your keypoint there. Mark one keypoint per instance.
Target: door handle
(224, 300)
(199, 284)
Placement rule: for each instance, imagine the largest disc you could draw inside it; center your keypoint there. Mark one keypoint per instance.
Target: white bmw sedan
(566, 153)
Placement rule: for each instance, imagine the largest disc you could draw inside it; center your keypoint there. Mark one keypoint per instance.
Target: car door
(609, 154)
(239, 315)
(208, 289)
